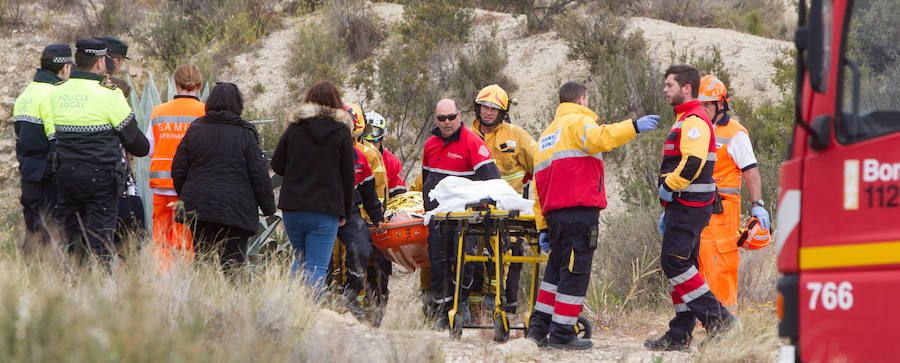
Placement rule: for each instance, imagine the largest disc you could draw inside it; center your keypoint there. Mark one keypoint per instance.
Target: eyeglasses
(443, 118)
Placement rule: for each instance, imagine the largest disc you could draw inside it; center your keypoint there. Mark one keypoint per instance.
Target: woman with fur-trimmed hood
(316, 157)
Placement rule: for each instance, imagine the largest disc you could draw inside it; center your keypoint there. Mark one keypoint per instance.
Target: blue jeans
(312, 235)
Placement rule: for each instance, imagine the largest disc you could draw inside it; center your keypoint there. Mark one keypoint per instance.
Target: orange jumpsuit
(168, 124)
(719, 257)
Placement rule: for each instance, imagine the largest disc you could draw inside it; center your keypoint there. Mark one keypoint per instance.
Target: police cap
(117, 46)
(57, 54)
(95, 47)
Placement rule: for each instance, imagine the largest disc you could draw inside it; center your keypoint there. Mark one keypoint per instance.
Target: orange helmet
(712, 89)
(754, 236)
(492, 96)
(359, 119)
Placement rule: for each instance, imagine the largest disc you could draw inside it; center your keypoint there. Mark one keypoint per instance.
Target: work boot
(488, 303)
(717, 332)
(540, 341)
(574, 344)
(463, 307)
(668, 343)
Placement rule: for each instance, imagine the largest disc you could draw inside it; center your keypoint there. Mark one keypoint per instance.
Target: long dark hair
(225, 97)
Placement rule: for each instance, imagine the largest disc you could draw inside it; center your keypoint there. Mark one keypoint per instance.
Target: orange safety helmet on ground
(754, 236)
(360, 128)
(492, 96)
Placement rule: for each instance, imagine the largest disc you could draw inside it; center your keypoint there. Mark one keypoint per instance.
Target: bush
(479, 66)
(317, 56)
(206, 33)
(10, 12)
(758, 17)
(356, 25)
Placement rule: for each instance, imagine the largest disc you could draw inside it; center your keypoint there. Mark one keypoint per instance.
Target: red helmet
(754, 236)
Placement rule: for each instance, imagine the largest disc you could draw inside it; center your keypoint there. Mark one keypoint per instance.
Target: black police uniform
(93, 122)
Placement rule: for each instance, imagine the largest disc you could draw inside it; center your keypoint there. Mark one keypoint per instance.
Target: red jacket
(462, 154)
(365, 193)
(396, 183)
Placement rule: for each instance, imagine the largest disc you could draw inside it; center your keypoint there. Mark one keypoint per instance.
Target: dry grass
(56, 310)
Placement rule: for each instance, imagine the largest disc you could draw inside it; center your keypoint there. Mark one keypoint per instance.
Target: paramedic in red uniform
(568, 176)
(687, 191)
(451, 150)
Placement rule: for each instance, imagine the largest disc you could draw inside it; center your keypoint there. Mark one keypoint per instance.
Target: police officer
(35, 139)
(93, 122)
(687, 191)
(116, 54)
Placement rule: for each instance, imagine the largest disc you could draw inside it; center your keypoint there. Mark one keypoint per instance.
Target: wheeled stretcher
(497, 230)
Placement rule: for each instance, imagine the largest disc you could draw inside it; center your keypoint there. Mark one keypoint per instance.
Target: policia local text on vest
(93, 123)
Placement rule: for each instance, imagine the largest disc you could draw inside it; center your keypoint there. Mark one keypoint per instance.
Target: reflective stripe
(79, 129)
(564, 154)
(28, 118)
(723, 140)
(669, 147)
(51, 136)
(695, 294)
(569, 299)
(683, 277)
(125, 122)
(548, 287)
(699, 188)
(357, 274)
(565, 320)
(681, 308)
(448, 172)
(483, 163)
(520, 174)
(169, 119)
(444, 300)
(730, 191)
(544, 308)
(678, 124)
(160, 175)
(711, 157)
(399, 187)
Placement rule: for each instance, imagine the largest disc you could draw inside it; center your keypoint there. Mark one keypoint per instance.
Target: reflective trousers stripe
(699, 188)
(564, 320)
(730, 191)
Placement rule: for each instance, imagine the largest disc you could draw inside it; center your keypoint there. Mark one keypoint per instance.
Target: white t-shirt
(741, 150)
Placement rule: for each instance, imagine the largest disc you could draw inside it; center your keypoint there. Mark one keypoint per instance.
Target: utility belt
(720, 192)
(119, 171)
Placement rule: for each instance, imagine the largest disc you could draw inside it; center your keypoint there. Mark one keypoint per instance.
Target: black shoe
(668, 343)
(542, 342)
(717, 332)
(574, 344)
(463, 309)
(440, 324)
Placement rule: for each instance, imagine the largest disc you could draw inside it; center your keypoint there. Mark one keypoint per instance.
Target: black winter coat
(315, 155)
(220, 172)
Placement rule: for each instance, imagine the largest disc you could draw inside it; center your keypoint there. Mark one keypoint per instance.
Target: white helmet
(379, 126)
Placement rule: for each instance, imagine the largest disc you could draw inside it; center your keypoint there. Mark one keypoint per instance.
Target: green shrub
(356, 25)
(482, 65)
(436, 23)
(206, 33)
(317, 56)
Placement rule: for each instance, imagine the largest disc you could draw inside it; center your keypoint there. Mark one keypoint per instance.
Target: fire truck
(838, 215)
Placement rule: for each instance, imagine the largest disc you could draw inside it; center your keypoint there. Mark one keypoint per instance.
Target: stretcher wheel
(456, 327)
(583, 328)
(501, 327)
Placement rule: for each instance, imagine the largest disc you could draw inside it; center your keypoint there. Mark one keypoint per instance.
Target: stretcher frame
(496, 229)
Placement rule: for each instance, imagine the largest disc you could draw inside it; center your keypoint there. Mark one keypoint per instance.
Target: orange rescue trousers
(719, 257)
(170, 239)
